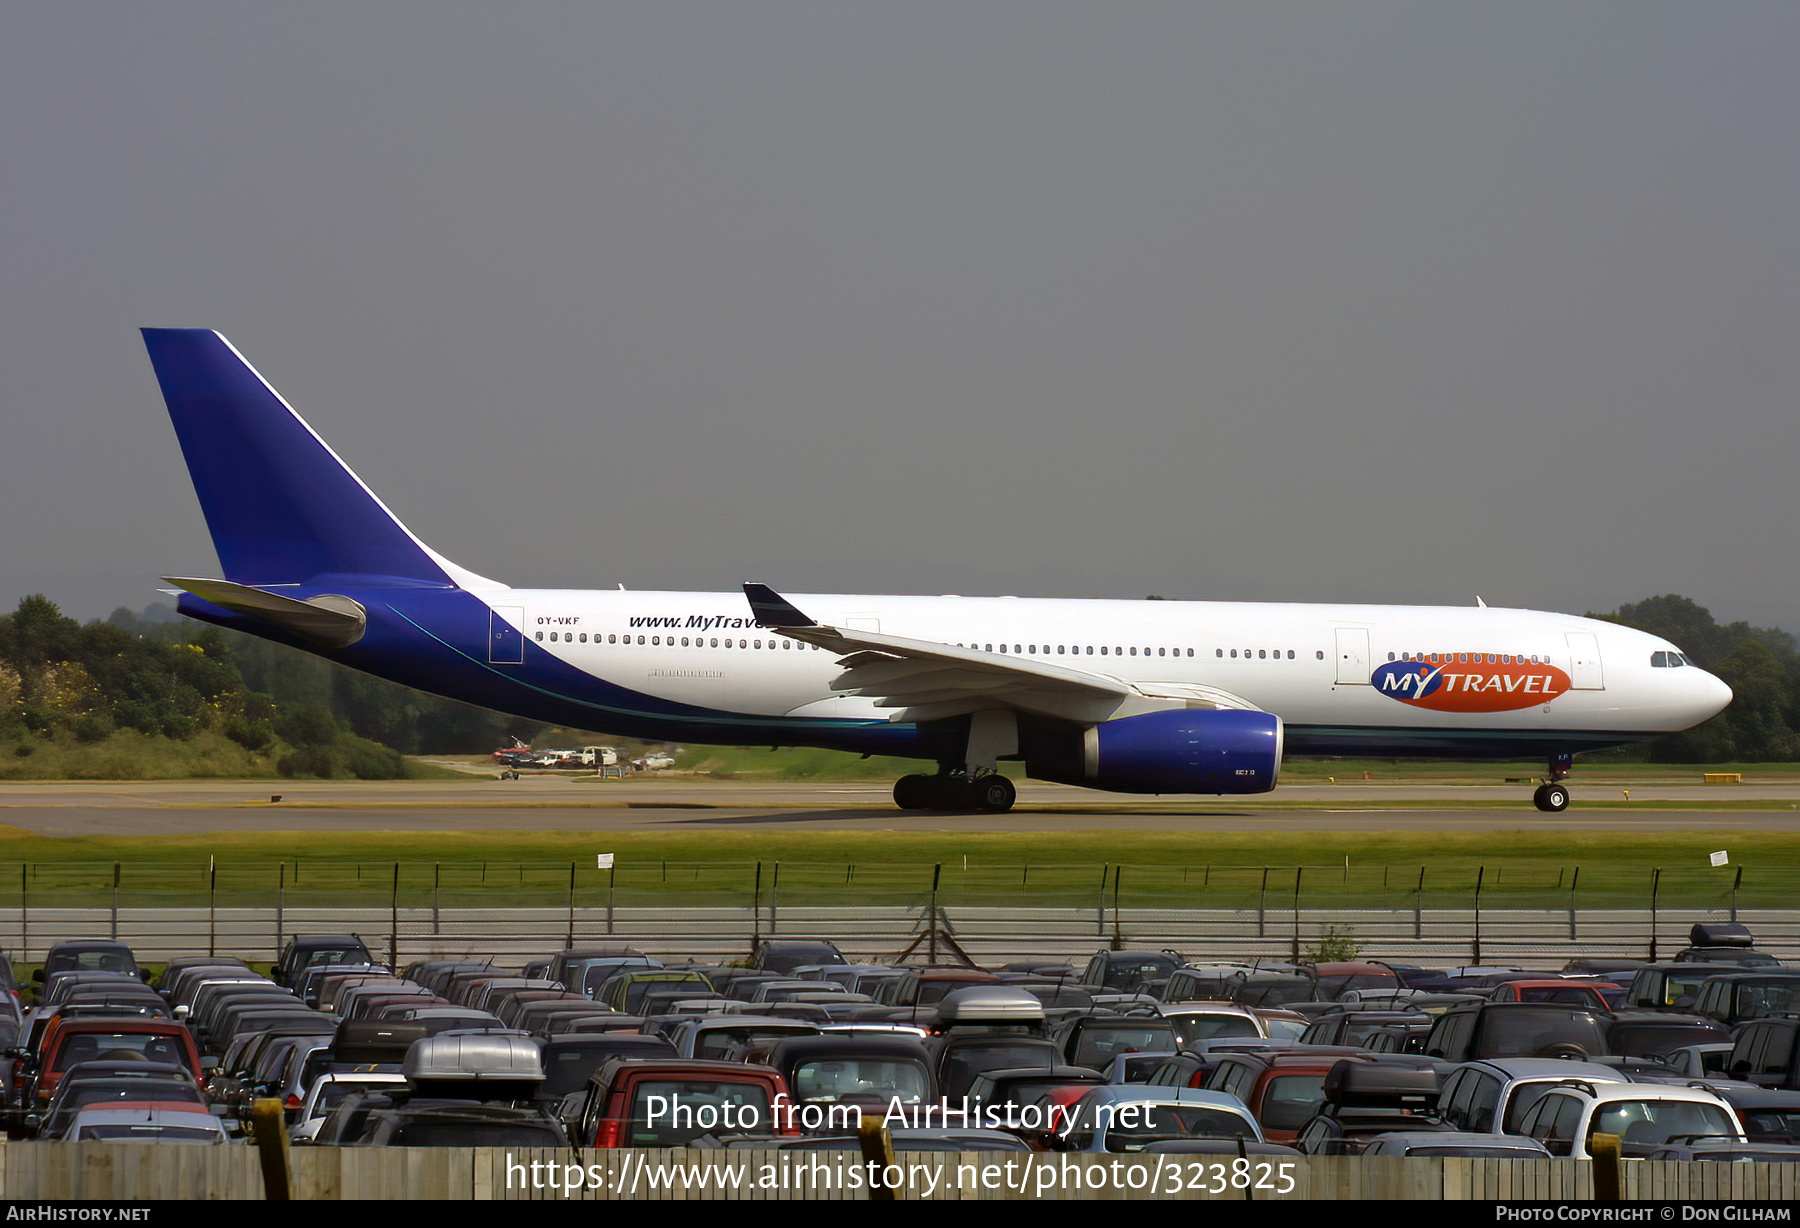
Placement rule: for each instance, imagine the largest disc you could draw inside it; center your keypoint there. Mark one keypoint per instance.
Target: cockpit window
(1668, 660)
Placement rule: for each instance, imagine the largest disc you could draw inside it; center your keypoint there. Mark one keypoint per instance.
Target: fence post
(1574, 879)
(24, 911)
(756, 912)
(280, 903)
(1736, 882)
(1100, 913)
(1655, 885)
(437, 886)
(931, 917)
(115, 903)
(1118, 942)
(1419, 906)
(394, 920)
(1479, 872)
(570, 944)
(1295, 953)
(612, 879)
(1262, 893)
(212, 905)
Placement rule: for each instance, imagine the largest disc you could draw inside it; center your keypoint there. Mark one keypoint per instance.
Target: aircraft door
(506, 643)
(1353, 656)
(1584, 662)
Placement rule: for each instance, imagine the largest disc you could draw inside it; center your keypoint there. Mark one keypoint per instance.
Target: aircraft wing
(925, 680)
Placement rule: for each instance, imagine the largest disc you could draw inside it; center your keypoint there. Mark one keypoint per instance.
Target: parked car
(671, 1103)
(1127, 1118)
(1644, 1116)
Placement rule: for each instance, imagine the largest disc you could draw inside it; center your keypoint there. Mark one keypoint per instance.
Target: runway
(668, 804)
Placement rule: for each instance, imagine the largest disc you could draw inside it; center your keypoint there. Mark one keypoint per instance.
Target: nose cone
(1706, 696)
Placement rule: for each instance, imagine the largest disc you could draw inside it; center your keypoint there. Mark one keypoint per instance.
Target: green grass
(1172, 869)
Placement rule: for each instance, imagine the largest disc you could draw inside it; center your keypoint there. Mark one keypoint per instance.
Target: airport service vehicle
(1127, 696)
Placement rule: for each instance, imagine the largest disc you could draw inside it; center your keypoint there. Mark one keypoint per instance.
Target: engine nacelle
(1193, 750)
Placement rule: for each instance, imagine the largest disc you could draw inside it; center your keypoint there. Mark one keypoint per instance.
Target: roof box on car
(1720, 934)
(473, 1057)
(988, 1004)
(1354, 1084)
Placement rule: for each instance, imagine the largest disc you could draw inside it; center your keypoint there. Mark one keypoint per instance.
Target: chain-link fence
(717, 910)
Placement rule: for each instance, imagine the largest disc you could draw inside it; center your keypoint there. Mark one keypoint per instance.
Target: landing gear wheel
(994, 794)
(946, 793)
(1553, 799)
(913, 792)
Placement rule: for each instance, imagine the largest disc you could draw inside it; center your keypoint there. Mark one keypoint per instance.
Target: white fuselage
(1312, 665)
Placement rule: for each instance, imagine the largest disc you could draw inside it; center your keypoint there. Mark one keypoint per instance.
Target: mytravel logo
(1482, 683)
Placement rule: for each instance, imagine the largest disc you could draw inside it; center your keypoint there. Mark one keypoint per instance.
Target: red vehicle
(1282, 1090)
(637, 1102)
(76, 1039)
(1564, 993)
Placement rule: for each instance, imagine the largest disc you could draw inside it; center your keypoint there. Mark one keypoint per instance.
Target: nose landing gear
(1552, 796)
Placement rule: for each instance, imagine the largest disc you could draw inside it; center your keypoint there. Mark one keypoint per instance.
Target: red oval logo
(1482, 684)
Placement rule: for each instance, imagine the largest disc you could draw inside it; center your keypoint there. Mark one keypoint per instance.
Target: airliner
(1165, 697)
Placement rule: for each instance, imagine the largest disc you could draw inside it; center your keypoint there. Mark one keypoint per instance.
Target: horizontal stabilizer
(330, 621)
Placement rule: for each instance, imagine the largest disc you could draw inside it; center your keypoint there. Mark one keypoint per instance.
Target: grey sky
(1356, 301)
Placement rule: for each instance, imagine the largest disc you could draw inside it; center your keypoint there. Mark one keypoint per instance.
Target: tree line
(165, 676)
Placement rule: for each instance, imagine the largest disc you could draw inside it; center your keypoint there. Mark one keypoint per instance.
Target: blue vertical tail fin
(281, 506)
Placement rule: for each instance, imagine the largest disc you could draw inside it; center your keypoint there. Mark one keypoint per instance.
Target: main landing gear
(976, 782)
(1552, 796)
(990, 794)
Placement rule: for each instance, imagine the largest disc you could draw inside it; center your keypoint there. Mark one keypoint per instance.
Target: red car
(637, 1102)
(78, 1039)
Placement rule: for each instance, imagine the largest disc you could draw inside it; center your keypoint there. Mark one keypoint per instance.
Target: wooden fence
(57, 1171)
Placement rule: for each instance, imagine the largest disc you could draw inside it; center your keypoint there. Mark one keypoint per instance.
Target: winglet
(771, 609)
